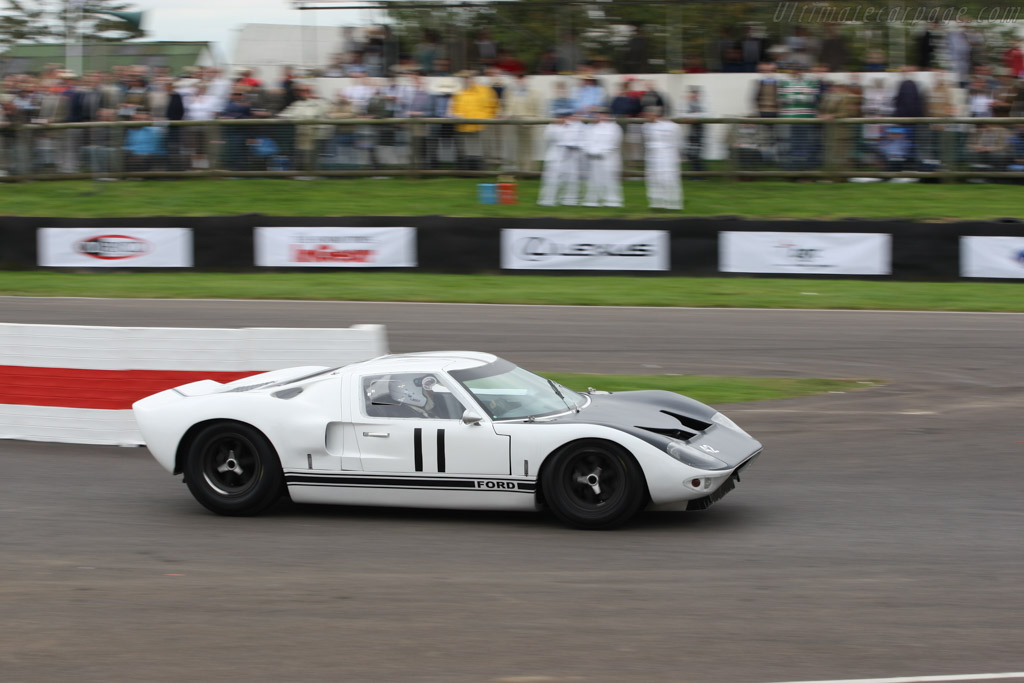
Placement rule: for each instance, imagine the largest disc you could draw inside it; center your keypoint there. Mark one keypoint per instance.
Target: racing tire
(593, 484)
(232, 469)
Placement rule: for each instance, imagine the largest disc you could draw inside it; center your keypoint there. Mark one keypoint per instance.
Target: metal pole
(73, 46)
(674, 38)
(68, 34)
(311, 43)
(668, 38)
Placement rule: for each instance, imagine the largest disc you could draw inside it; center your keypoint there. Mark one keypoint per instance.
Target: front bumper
(720, 493)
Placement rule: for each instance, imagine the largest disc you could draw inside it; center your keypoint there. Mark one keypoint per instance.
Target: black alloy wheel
(593, 485)
(232, 469)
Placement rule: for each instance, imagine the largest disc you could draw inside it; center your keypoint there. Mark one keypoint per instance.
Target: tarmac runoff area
(880, 537)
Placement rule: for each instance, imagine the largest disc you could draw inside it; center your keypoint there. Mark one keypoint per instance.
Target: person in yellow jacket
(474, 101)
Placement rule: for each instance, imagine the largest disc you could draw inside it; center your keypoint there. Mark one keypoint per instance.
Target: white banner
(336, 247)
(584, 249)
(992, 257)
(806, 253)
(114, 247)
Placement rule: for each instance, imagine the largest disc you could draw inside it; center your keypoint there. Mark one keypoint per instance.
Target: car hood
(658, 417)
(648, 408)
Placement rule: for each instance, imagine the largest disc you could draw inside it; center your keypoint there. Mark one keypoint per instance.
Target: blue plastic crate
(487, 193)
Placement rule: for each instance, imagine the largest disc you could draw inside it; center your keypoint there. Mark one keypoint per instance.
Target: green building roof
(33, 58)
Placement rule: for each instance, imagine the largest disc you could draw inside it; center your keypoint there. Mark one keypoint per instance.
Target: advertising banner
(992, 257)
(335, 247)
(114, 247)
(805, 253)
(584, 249)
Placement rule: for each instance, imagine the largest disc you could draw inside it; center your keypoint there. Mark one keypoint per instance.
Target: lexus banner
(807, 253)
(992, 257)
(336, 247)
(114, 247)
(584, 249)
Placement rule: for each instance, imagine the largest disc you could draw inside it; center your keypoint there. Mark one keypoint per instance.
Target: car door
(412, 422)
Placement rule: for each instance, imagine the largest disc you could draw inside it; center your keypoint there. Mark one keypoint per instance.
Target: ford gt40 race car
(442, 430)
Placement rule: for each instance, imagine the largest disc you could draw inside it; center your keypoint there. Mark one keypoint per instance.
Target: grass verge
(527, 289)
(713, 390)
(457, 197)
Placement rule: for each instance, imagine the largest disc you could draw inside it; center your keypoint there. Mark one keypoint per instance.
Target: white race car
(442, 430)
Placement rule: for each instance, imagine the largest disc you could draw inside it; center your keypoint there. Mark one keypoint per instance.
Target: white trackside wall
(70, 347)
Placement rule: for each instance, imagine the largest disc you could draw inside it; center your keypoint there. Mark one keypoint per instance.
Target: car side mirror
(471, 418)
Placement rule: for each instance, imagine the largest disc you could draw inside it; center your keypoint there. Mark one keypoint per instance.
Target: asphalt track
(881, 534)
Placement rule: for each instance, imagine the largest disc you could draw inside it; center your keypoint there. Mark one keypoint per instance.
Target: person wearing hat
(563, 141)
(603, 147)
(663, 141)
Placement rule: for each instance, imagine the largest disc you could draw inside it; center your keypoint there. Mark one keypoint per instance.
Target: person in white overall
(663, 141)
(603, 148)
(563, 142)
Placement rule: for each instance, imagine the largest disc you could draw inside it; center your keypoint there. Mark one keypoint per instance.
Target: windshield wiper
(554, 388)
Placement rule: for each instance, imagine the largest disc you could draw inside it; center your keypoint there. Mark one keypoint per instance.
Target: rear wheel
(232, 469)
(593, 485)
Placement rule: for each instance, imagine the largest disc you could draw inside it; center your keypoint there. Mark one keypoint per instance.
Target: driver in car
(417, 394)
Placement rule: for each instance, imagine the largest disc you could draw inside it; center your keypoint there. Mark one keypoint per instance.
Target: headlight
(694, 458)
(721, 419)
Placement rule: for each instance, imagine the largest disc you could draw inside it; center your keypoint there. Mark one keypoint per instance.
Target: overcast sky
(217, 20)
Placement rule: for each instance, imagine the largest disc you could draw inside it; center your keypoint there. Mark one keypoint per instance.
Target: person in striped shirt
(798, 99)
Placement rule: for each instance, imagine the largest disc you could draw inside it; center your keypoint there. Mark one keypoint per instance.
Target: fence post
(214, 145)
(314, 148)
(117, 138)
(731, 167)
(830, 149)
(417, 142)
(23, 152)
(623, 152)
(947, 153)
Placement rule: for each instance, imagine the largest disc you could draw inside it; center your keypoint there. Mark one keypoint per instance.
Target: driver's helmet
(412, 391)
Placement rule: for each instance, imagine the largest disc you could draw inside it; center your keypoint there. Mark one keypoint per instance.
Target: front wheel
(593, 485)
(232, 469)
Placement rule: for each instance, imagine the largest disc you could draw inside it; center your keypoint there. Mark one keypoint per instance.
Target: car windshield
(507, 392)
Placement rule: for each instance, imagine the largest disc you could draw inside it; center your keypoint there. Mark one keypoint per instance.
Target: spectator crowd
(796, 80)
(891, 146)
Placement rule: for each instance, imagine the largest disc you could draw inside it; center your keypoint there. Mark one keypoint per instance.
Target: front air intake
(673, 433)
(691, 423)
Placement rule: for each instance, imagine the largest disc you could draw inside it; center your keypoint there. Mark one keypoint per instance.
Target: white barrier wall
(75, 384)
(182, 348)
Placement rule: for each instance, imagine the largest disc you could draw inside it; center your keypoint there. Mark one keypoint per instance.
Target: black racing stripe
(334, 485)
(326, 479)
(440, 450)
(385, 481)
(417, 447)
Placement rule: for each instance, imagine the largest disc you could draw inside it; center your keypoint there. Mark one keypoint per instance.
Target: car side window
(409, 395)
